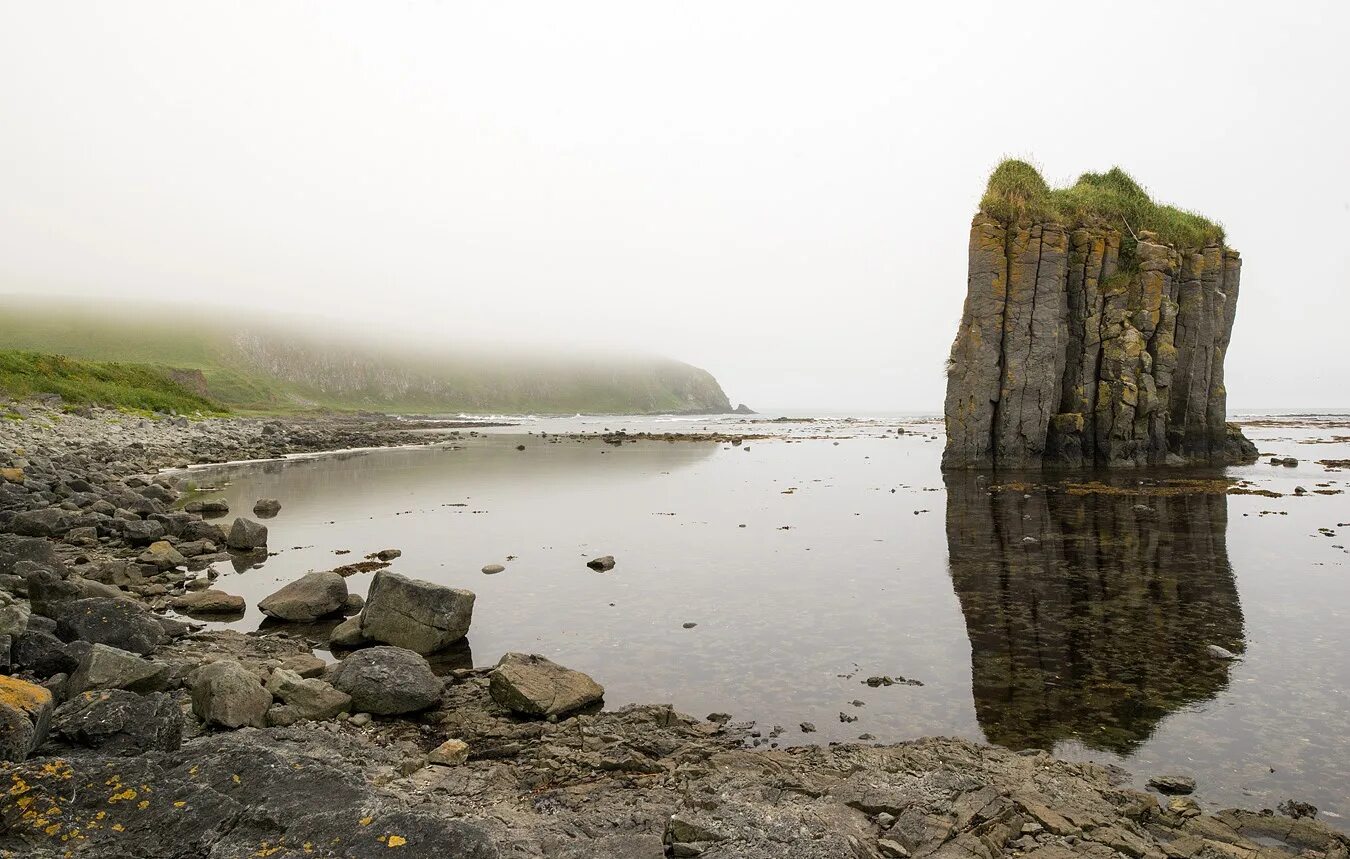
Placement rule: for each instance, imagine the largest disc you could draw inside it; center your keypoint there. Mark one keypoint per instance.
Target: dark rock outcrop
(1083, 345)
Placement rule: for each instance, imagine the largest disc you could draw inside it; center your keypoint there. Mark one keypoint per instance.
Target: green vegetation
(273, 366)
(128, 386)
(1017, 192)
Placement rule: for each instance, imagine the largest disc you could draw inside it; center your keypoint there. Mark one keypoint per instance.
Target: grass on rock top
(1017, 192)
(126, 386)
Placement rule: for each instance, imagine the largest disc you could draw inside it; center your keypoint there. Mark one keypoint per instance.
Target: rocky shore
(129, 731)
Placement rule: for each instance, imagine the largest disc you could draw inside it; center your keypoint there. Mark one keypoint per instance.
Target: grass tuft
(1017, 193)
(137, 387)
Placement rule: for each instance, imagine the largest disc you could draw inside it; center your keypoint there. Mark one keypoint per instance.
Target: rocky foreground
(131, 732)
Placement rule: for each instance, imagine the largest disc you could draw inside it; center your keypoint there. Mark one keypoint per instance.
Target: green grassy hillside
(276, 366)
(128, 386)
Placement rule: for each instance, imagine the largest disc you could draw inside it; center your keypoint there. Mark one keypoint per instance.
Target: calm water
(1033, 616)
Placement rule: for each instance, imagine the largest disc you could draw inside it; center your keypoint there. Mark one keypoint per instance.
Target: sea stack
(1094, 332)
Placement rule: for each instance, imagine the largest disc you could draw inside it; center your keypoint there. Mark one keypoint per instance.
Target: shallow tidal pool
(1045, 611)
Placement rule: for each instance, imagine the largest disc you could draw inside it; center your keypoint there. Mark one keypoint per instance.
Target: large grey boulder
(13, 615)
(245, 534)
(25, 714)
(104, 667)
(533, 685)
(49, 522)
(141, 532)
(304, 699)
(119, 722)
(414, 614)
(228, 695)
(115, 622)
(308, 598)
(42, 653)
(387, 681)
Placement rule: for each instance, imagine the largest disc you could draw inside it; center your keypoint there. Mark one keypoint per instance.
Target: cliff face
(1070, 354)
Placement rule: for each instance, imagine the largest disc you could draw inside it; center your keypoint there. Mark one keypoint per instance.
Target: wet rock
(1222, 653)
(413, 614)
(603, 564)
(266, 508)
(310, 699)
(208, 506)
(388, 555)
(246, 535)
(308, 598)
(104, 667)
(533, 685)
(25, 714)
(387, 681)
(347, 635)
(117, 623)
(1175, 784)
(493, 569)
(808, 727)
(209, 601)
(119, 722)
(228, 695)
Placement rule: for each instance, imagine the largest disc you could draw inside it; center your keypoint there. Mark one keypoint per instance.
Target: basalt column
(1067, 355)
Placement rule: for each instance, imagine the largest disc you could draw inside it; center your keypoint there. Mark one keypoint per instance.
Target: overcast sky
(777, 192)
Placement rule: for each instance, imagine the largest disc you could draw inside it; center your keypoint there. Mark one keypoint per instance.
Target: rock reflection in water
(1089, 615)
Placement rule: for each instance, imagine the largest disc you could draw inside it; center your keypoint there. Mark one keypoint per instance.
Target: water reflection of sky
(855, 559)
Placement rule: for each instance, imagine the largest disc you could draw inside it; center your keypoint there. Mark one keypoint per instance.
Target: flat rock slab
(533, 685)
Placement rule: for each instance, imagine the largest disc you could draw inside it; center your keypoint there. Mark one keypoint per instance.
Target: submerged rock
(602, 564)
(266, 508)
(536, 686)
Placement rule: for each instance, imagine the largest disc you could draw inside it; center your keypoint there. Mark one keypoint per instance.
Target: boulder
(25, 714)
(13, 616)
(42, 654)
(208, 506)
(49, 522)
(210, 601)
(142, 532)
(304, 664)
(11, 475)
(347, 635)
(388, 555)
(533, 685)
(115, 622)
(602, 564)
(104, 667)
(387, 681)
(163, 555)
(266, 508)
(228, 695)
(308, 598)
(414, 614)
(492, 569)
(307, 699)
(245, 535)
(119, 722)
